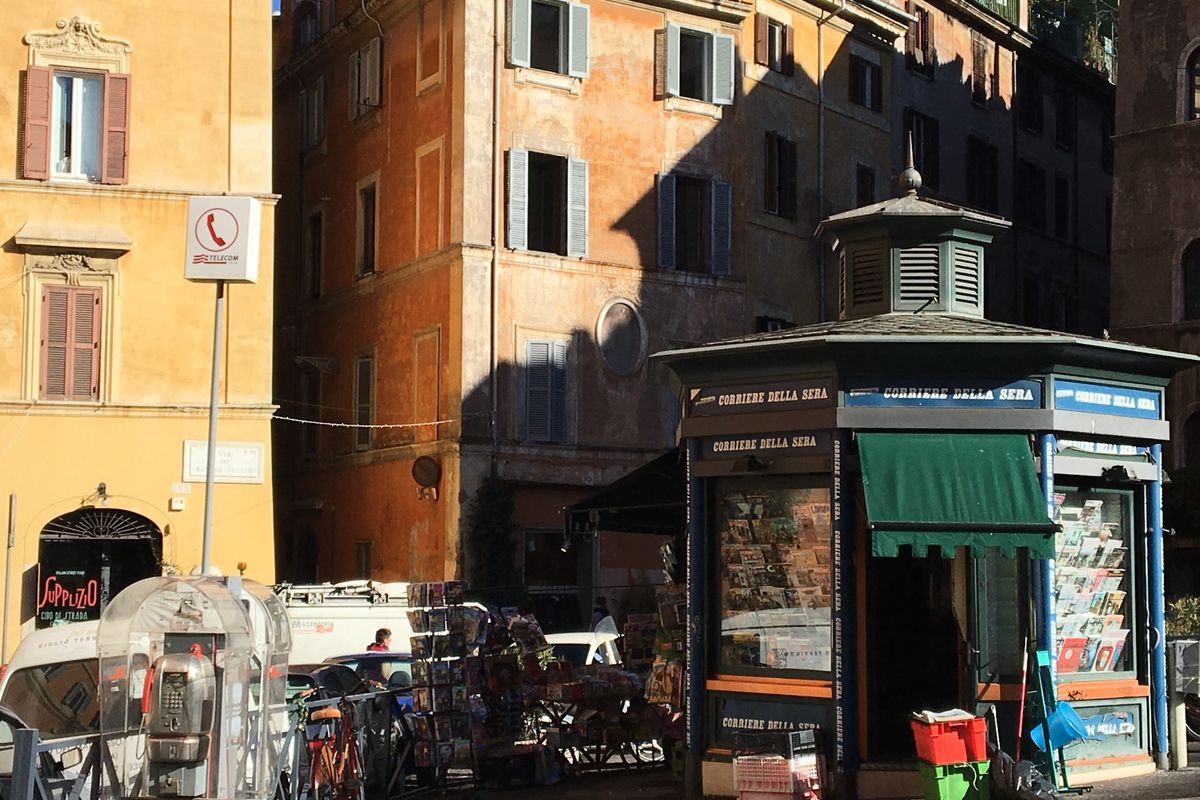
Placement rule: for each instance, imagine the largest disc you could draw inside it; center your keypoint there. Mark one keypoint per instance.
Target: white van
(52, 680)
(338, 619)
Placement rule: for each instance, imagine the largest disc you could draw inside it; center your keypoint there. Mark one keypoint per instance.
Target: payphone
(180, 706)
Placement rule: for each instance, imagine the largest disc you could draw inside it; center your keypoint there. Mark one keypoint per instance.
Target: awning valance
(977, 490)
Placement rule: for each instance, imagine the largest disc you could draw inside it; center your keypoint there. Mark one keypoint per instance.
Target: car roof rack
(357, 591)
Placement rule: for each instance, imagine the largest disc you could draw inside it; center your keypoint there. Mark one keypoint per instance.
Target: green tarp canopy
(976, 490)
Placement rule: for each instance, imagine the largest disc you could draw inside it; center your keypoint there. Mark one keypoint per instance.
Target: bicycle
(336, 763)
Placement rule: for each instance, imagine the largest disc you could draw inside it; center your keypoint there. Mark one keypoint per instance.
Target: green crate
(967, 781)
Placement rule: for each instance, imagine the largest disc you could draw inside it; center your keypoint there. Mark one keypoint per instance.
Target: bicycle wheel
(323, 777)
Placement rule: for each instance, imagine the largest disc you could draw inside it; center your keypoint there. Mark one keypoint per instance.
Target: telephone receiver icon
(212, 218)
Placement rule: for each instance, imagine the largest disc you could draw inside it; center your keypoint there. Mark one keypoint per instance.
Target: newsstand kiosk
(885, 508)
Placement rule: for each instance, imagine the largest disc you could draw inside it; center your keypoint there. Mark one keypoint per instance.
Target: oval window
(621, 337)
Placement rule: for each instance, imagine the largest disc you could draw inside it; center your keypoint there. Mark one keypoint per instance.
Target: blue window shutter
(666, 221)
(577, 207)
(520, 12)
(558, 392)
(577, 58)
(518, 199)
(722, 202)
(671, 84)
(537, 391)
(723, 69)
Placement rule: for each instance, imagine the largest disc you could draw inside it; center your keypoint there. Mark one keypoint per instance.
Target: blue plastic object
(1066, 726)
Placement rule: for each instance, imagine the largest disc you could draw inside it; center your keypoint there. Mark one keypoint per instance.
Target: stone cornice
(66, 408)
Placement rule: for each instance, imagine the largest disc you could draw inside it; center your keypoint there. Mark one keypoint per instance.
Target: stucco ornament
(70, 265)
(77, 35)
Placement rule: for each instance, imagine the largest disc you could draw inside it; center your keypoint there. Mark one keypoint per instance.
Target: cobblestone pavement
(1180, 785)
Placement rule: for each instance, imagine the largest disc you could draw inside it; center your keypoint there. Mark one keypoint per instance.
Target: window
(1064, 117)
(866, 83)
(362, 558)
(699, 64)
(982, 174)
(1062, 309)
(310, 398)
(1031, 300)
(546, 390)
(1062, 206)
(924, 133)
(75, 125)
(1193, 86)
(547, 203)
(1030, 100)
(364, 90)
(70, 343)
(312, 113)
(979, 78)
(1031, 194)
(364, 401)
(549, 36)
(1191, 281)
(1106, 141)
(773, 577)
(864, 185)
(779, 175)
(314, 252)
(920, 56)
(368, 215)
(694, 224)
(764, 324)
(774, 44)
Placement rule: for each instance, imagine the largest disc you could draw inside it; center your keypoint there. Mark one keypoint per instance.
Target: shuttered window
(550, 36)
(364, 401)
(924, 131)
(695, 224)
(779, 175)
(364, 79)
(968, 263)
(547, 203)
(774, 44)
(312, 113)
(75, 124)
(546, 390)
(699, 64)
(70, 343)
(920, 278)
(920, 56)
(866, 83)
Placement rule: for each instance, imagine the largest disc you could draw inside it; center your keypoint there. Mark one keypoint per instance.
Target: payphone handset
(182, 697)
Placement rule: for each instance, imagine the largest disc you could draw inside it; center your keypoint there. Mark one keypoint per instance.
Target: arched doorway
(87, 556)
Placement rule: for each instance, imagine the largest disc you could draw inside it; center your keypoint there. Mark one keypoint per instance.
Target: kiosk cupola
(911, 255)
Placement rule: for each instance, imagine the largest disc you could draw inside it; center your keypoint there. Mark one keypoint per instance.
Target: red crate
(954, 742)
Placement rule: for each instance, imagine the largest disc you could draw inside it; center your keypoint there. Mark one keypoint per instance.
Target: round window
(621, 337)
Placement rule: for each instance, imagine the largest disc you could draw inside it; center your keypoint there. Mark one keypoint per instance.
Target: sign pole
(211, 455)
(12, 542)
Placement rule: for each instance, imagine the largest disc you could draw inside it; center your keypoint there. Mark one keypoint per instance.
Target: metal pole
(1048, 447)
(12, 542)
(211, 455)
(1158, 640)
(697, 585)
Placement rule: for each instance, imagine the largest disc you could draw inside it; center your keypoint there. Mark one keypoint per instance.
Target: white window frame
(574, 32)
(775, 44)
(359, 219)
(365, 79)
(719, 68)
(78, 129)
(574, 209)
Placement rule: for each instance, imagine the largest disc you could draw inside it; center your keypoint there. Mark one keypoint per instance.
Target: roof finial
(909, 180)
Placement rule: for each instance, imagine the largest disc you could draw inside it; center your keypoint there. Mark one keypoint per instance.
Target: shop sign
(236, 462)
(1026, 393)
(1103, 448)
(67, 595)
(780, 396)
(1098, 398)
(793, 443)
(736, 715)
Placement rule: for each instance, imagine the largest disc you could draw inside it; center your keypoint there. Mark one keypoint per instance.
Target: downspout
(497, 193)
(1154, 587)
(821, 152)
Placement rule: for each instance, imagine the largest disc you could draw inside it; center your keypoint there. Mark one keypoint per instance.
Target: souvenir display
(1091, 581)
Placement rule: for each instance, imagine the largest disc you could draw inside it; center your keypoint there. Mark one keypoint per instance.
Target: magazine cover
(1070, 652)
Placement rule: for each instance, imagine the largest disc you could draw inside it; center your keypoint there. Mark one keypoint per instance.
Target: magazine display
(776, 587)
(1091, 582)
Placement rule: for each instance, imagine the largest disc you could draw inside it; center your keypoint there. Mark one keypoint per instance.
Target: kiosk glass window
(1093, 581)
(775, 579)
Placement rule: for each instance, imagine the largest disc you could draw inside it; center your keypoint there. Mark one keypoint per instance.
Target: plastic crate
(956, 742)
(955, 781)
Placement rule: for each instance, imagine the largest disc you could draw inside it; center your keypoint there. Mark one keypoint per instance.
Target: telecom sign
(222, 239)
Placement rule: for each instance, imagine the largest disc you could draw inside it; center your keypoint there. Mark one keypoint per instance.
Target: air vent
(867, 283)
(966, 277)
(919, 279)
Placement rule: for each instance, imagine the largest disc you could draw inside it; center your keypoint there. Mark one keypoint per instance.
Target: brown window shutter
(789, 50)
(762, 31)
(788, 168)
(910, 33)
(927, 38)
(114, 156)
(35, 124)
(856, 85)
(876, 87)
(85, 345)
(55, 323)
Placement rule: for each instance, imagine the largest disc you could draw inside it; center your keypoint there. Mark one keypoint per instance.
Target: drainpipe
(1154, 587)
(821, 151)
(497, 193)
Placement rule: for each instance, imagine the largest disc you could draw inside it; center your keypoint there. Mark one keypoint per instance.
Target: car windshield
(574, 653)
(57, 699)
(378, 668)
(297, 684)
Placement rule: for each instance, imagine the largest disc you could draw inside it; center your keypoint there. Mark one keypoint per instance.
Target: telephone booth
(192, 678)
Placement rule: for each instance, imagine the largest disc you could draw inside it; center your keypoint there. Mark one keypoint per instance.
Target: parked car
(321, 681)
(49, 768)
(52, 681)
(382, 669)
(585, 647)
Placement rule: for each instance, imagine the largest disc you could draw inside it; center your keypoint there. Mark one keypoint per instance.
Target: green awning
(977, 490)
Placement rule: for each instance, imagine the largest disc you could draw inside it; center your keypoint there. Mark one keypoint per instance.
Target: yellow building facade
(112, 114)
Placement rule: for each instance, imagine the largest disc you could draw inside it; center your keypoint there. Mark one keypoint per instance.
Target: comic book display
(1091, 581)
(665, 682)
(776, 589)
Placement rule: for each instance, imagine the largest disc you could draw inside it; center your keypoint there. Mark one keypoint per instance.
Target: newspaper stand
(216, 648)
